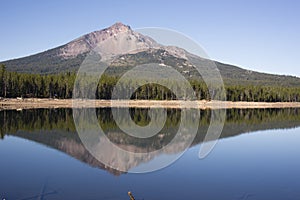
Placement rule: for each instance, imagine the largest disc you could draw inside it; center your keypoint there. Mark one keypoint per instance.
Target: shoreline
(35, 103)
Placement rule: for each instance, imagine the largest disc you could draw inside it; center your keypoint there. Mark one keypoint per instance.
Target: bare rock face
(115, 40)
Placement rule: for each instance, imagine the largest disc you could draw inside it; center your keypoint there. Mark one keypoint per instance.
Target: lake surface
(257, 157)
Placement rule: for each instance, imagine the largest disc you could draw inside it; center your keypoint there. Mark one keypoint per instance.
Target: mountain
(131, 48)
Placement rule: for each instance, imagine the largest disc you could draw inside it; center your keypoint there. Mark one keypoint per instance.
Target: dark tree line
(13, 84)
(263, 93)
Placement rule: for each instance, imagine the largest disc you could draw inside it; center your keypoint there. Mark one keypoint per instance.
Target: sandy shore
(18, 104)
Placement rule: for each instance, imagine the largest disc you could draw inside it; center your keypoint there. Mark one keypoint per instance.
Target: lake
(256, 157)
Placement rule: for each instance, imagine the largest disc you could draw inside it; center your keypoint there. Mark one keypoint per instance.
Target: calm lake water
(257, 157)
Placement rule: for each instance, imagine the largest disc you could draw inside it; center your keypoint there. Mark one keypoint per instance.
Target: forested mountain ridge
(68, 57)
(52, 73)
(47, 62)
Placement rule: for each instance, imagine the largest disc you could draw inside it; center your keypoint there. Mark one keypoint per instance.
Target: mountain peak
(113, 40)
(118, 27)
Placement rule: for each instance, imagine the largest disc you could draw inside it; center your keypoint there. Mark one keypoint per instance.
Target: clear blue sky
(257, 35)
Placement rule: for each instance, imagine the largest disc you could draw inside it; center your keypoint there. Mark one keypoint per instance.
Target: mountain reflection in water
(55, 128)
